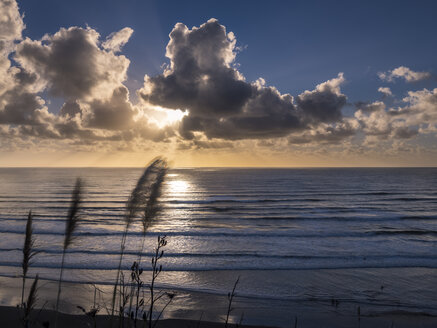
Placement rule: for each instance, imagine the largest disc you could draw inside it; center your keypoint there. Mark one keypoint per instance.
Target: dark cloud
(405, 132)
(72, 64)
(324, 104)
(327, 134)
(20, 107)
(70, 109)
(201, 78)
(18, 102)
(115, 113)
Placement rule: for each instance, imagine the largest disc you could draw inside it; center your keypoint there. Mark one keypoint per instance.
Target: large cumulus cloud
(74, 65)
(203, 79)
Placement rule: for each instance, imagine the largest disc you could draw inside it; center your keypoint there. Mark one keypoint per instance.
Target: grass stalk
(136, 202)
(230, 299)
(156, 270)
(70, 226)
(28, 252)
(151, 211)
(30, 304)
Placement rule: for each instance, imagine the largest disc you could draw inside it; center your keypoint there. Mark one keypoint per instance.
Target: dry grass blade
(73, 217)
(230, 300)
(28, 251)
(136, 203)
(139, 194)
(31, 301)
(70, 226)
(152, 207)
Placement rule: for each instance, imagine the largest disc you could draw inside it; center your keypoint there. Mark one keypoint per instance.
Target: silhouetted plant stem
(150, 213)
(230, 299)
(70, 225)
(30, 304)
(61, 275)
(156, 270)
(28, 252)
(136, 202)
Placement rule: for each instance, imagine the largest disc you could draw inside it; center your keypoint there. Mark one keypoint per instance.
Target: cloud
(385, 91)
(328, 133)
(72, 64)
(88, 75)
(115, 41)
(115, 113)
(421, 108)
(11, 22)
(405, 73)
(201, 100)
(20, 107)
(323, 104)
(18, 102)
(202, 78)
(378, 121)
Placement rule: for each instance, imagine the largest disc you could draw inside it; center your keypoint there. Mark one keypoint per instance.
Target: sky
(218, 83)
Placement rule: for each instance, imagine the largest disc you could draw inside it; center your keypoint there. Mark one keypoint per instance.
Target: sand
(188, 308)
(10, 318)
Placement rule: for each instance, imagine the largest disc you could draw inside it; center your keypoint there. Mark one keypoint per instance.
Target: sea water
(299, 239)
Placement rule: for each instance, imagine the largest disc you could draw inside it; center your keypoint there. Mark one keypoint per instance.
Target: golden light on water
(178, 186)
(177, 190)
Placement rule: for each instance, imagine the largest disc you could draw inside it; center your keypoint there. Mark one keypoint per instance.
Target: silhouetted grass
(143, 199)
(137, 202)
(231, 296)
(70, 226)
(28, 252)
(30, 303)
(151, 211)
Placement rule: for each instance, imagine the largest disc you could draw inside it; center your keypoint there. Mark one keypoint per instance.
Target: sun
(164, 116)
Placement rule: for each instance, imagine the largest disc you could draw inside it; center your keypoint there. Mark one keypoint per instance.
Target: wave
(346, 258)
(264, 297)
(114, 218)
(340, 264)
(233, 234)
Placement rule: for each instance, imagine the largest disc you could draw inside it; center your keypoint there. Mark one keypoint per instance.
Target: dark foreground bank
(10, 318)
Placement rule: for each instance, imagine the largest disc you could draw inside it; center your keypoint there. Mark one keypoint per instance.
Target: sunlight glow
(178, 186)
(163, 116)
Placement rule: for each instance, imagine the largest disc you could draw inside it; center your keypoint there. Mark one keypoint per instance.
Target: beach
(9, 318)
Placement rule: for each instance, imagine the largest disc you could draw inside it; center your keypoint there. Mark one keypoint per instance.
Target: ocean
(299, 239)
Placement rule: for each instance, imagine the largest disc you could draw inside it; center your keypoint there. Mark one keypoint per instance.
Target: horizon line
(216, 167)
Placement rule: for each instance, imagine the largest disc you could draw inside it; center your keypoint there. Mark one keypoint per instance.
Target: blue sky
(293, 45)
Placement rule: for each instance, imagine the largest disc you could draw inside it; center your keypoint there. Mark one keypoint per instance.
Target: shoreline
(187, 308)
(10, 318)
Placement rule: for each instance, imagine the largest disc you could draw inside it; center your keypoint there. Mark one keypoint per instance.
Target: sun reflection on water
(178, 186)
(179, 193)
